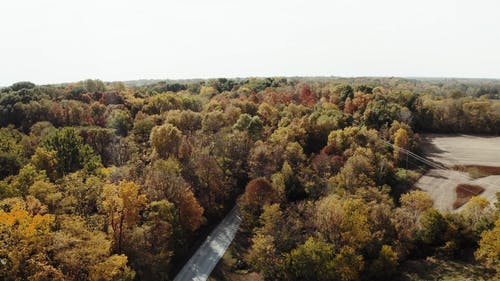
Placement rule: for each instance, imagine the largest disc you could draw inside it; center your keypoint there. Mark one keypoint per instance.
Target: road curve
(201, 264)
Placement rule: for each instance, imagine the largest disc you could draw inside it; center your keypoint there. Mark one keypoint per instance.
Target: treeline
(103, 181)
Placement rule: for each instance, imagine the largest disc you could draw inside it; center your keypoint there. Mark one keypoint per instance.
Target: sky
(54, 41)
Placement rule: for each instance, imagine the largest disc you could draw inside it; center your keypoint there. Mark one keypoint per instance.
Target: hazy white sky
(61, 40)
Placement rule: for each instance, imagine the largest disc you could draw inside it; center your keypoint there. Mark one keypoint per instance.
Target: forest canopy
(119, 181)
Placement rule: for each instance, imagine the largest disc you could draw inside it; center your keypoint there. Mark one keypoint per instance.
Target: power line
(417, 157)
(434, 164)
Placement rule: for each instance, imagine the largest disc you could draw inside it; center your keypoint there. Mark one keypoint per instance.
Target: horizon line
(261, 77)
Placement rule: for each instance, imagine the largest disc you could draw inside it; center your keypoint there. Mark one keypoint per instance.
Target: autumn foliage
(122, 181)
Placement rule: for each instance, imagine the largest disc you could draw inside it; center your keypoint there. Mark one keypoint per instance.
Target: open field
(456, 150)
(453, 150)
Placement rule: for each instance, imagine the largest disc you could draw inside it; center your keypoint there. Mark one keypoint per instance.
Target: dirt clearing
(459, 150)
(465, 192)
(455, 150)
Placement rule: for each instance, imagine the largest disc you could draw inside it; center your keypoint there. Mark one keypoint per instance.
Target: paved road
(201, 264)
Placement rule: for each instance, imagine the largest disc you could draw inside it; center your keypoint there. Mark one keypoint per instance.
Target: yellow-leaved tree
(24, 238)
(489, 247)
(401, 140)
(122, 205)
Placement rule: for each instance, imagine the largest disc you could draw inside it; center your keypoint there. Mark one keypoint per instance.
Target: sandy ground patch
(451, 150)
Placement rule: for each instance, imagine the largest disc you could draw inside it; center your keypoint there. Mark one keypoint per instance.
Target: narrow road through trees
(201, 264)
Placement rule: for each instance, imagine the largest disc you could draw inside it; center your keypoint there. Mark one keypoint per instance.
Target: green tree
(385, 266)
(348, 264)
(142, 129)
(102, 141)
(26, 177)
(11, 151)
(344, 91)
(161, 221)
(164, 180)
(288, 183)
(166, 139)
(478, 215)
(9, 164)
(406, 218)
(72, 154)
(263, 255)
(22, 85)
(121, 121)
(357, 172)
(316, 260)
(47, 193)
(213, 121)
(432, 227)
(313, 260)
(46, 160)
(380, 112)
(186, 120)
(252, 125)
(81, 194)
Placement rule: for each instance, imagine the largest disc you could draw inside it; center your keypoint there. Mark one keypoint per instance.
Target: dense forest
(121, 181)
